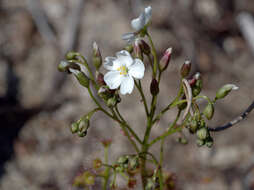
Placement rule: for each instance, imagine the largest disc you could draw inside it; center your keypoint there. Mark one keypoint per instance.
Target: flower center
(123, 70)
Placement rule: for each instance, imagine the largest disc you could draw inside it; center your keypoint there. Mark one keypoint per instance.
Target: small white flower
(143, 19)
(123, 68)
(138, 24)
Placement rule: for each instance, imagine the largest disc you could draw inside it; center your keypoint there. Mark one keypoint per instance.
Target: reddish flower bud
(154, 87)
(185, 70)
(165, 59)
(145, 47)
(138, 49)
(100, 79)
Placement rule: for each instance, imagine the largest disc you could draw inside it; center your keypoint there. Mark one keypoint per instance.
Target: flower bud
(134, 162)
(200, 142)
(64, 66)
(138, 49)
(106, 142)
(81, 77)
(100, 79)
(83, 127)
(186, 67)
(154, 87)
(105, 93)
(182, 140)
(132, 182)
(202, 133)
(193, 126)
(165, 59)
(129, 48)
(209, 142)
(111, 102)
(196, 89)
(97, 163)
(71, 55)
(224, 91)
(145, 47)
(209, 111)
(123, 159)
(74, 127)
(150, 184)
(97, 59)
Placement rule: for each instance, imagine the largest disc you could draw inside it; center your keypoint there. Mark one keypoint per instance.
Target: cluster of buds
(80, 127)
(129, 163)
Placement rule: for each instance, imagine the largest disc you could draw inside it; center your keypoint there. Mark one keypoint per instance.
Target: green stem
(107, 170)
(139, 87)
(169, 132)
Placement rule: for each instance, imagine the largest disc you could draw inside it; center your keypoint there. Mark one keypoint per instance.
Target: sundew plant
(125, 72)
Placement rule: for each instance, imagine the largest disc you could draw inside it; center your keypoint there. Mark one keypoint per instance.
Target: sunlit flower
(123, 68)
(138, 24)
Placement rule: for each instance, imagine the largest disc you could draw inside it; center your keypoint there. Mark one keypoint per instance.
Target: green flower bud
(97, 59)
(202, 124)
(71, 55)
(105, 93)
(123, 160)
(83, 127)
(200, 142)
(209, 142)
(182, 140)
(154, 87)
(202, 133)
(224, 91)
(81, 77)
(165, 59)
(193, 126)
(186, 67)
(111, 102)
(197, 87)
(74, 127)
(209, 111)
(134, 162)
(64, 66)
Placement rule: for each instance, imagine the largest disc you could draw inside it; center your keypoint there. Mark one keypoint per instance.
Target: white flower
(143, 19)
(138, 24)
(123, 68)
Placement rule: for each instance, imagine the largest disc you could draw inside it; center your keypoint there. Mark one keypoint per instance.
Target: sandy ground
(44, 155)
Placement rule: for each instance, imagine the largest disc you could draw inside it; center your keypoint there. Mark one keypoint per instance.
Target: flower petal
(110, 63)
(139, 23)
(124, 58)
(113, 79)
(148, 14)
(129, 37)
(137, 70)
(127, 85)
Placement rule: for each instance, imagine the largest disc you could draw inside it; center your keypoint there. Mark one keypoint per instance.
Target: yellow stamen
(123, 70)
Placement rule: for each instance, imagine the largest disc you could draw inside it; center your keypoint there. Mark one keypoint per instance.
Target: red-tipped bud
(185, 70)
(97, 59)
(154, 87)
(138, 49)
(165, 59)
(145, 47)
(100, 79)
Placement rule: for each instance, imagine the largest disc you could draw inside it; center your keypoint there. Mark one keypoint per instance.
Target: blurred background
(37, 103)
